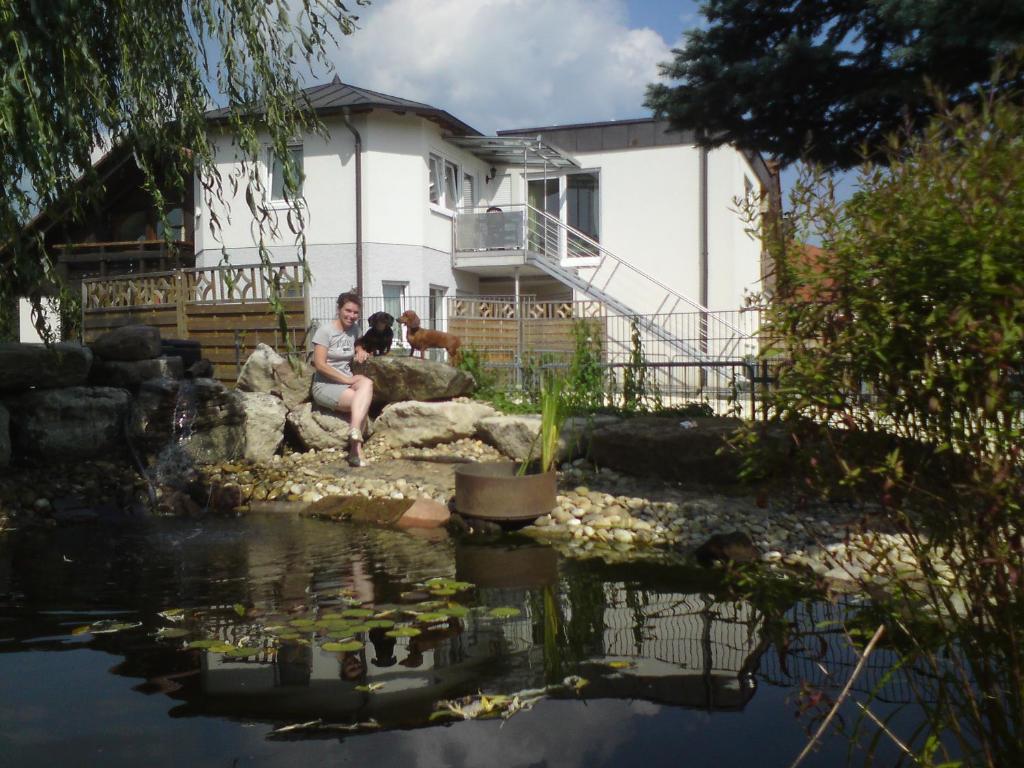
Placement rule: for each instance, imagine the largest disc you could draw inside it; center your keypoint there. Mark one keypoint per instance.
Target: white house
(396, 202)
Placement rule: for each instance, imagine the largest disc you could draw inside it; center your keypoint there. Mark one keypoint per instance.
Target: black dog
(377, 339)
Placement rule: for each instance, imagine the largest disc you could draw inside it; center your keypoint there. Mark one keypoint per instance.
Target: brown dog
(422, 339)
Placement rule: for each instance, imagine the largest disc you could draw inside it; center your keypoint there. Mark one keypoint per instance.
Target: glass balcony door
(543, 236)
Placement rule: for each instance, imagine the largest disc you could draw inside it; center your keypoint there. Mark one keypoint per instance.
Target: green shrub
(585, 380)
(904, 387)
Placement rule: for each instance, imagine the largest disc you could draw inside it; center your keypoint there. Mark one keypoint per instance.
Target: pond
(314, 641)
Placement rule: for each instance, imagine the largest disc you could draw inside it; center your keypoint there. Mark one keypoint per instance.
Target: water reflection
(278, 589)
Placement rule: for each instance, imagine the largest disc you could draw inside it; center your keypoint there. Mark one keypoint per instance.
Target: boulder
(130, 374)
(264, 425)
(425, 513)
(414, 423)
(5, 437)
(267, 371)
(316, 428)
(515, 435)
(203, 416)
(666, 448)
(399, 377)
(128, 343)
(57, 425)
(734, 547)
(22, 366)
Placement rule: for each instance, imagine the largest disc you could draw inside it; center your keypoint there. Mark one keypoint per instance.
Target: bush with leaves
(585, 379)
(904, 390)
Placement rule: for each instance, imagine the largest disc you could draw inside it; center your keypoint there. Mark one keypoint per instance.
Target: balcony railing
(479, 230)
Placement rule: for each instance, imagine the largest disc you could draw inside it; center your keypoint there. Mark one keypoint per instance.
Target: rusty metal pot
(493, 491)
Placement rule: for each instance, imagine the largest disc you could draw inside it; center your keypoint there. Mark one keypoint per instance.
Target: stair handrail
(605, 253)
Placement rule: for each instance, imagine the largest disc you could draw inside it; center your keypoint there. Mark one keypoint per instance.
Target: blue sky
(516, 63)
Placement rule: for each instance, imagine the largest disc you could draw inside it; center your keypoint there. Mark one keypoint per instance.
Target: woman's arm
(321, 365)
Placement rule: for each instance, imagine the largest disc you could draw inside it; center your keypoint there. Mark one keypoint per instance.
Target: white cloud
(506, 63)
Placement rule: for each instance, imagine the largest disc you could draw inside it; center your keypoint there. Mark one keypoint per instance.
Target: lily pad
(369, 687)
(403, 632)
(456, 610)
(171, 632)
(432, 617)
(380, 624)
(239, 609)
(172, 614)
(302, 623)
(621, 664)
(443, 592)
(203, 644)
(289, 636)
(106, 626)
(357, 613)
(351, 645)
(243, 651)
(504, 612)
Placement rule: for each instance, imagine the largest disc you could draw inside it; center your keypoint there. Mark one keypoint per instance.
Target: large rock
(264, 425)
(130, 374)
(516, 435)
(5, 437)
(128, 343)
(668, 449)
(316, 428)
(400, 377)
(203, 416)
(23, 366)
(267, 371)
(415, 423)
(56, 425)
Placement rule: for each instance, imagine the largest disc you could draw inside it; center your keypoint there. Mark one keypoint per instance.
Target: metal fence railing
(515, 341)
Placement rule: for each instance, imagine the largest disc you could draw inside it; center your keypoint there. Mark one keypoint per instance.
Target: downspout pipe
(359, 199)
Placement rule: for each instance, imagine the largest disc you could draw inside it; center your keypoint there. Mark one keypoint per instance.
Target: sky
(515, 63)
(499, 64)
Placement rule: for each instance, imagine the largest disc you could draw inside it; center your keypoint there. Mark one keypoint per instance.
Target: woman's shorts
(327, 394)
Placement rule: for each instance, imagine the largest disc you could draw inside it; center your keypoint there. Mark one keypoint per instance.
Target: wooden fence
(227, 309)
(540, 330)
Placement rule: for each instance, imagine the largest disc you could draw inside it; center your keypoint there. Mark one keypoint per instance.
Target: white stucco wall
(649, 214)
(734, 257)
(405, 238)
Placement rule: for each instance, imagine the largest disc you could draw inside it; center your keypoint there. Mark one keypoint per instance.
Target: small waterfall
(173, 465)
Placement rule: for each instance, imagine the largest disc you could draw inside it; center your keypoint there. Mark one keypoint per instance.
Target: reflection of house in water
(687, 649)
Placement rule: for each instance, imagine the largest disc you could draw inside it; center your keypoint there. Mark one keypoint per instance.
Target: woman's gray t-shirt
(341, 346)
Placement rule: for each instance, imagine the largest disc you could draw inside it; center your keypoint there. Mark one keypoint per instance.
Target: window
(435, 179)
(276, 182)
(444, 182)
(581, 199)
(451, 185)
(468, 200)
(394, 304)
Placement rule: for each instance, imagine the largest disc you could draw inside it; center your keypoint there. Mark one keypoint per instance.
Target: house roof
(636, 133)
(336, 97)
(515, 150)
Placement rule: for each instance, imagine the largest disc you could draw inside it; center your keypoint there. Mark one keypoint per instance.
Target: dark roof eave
(439, 116)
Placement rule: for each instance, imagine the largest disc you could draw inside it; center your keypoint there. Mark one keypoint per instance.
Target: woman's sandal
(355, 435)
(356, 461)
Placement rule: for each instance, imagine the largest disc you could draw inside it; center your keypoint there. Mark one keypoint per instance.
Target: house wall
(650, 217)
(405, 238)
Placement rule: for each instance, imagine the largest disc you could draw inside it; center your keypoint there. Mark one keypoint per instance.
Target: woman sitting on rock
(334, 385)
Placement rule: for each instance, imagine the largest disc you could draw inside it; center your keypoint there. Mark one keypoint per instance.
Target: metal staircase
(583, 264)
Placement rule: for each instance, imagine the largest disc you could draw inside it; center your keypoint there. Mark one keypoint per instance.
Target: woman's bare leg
(356, 401)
